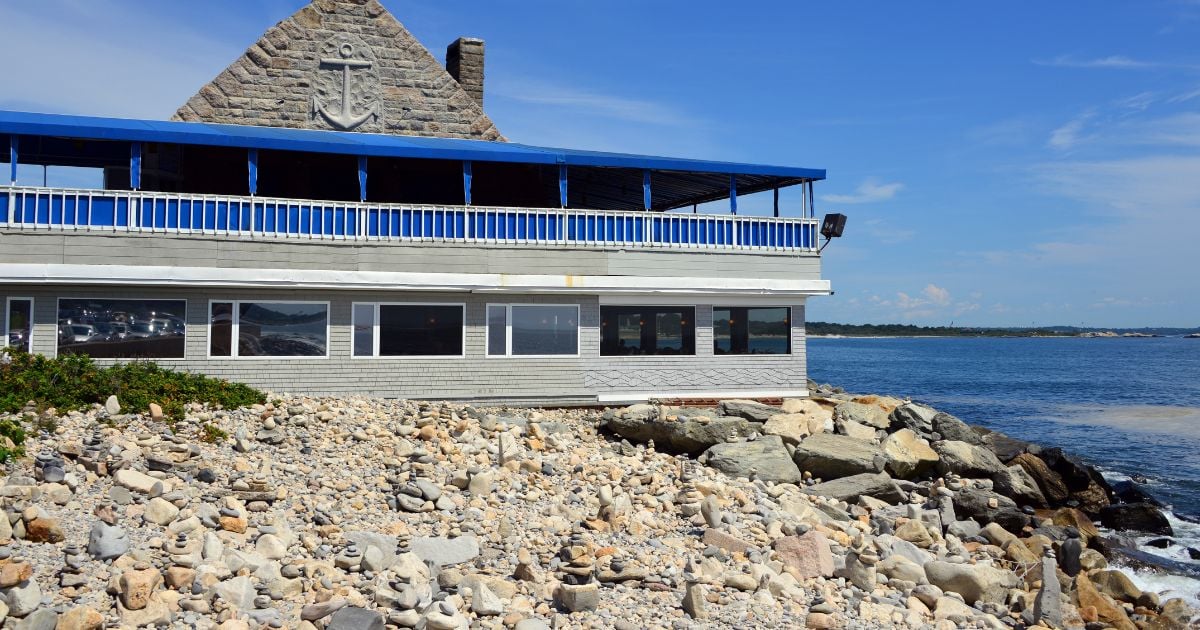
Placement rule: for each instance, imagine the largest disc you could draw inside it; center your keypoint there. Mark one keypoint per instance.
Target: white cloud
(1070, 134)
(871, 190)
(937, 295)
(1118, 62)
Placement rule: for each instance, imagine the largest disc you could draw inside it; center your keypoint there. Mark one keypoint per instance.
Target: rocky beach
(838, 511)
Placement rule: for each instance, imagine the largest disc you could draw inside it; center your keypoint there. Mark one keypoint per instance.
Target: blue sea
(1129, 406)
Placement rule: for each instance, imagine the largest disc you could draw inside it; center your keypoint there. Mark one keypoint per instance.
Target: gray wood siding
(98, 248)
(473, 377)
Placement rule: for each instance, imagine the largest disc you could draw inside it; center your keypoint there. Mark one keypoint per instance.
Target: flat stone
(160, 511)
(908, 455)
(808, 554)
(849, 489)
(767, 458)
(870, 415)
(974, 582)
(445, 551)
(967, 460)
(139, 482)
(579, 598)
(732, 544)
(355, 618)
(830, 456)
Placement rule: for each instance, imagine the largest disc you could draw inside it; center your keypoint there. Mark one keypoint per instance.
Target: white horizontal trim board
(624, 397)
(712, 300)
(173, 276)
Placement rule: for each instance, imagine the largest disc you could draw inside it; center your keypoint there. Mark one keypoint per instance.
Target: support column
(135, 165)
(252, 170)
(362, 178)
(777, 202)
(467, 182)
(562, 185)
(733, 194)
(13, 143)
(646, 197)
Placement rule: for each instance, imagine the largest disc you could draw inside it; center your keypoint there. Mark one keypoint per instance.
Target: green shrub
(211, 433)
(15, 433)
(75, 382)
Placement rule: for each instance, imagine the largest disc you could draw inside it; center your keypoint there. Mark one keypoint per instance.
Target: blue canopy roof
(705, 180)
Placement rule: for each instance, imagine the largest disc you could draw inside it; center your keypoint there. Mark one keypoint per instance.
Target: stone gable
(344, 65)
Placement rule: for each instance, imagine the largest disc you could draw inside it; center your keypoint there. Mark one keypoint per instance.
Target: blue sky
(1001, 164)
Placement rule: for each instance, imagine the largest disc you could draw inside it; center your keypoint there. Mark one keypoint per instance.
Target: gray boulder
(919, 418)
(106, 542)
(849, 489)
(831, 456)
(355, 618)
(748, 409)
(767, 456)
(951, 428)
(985, 506)
(870, 415)
(966, 459)
(1018, 485)
(686, 434)
(975, 582)
(1141, 517)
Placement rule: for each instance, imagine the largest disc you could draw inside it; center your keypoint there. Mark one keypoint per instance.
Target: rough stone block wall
(464, 62)
(294, 77)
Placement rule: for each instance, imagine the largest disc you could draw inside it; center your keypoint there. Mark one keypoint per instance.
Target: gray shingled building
(336, 213)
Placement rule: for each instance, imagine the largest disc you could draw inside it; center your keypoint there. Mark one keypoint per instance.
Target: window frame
(654, 305)
(375, 331)
(235, 330)
(508, 337)
(58, 310)
(790, 315)
(8, 324)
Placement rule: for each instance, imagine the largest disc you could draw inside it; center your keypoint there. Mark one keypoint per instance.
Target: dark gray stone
(849, 489)
(973, 504)
(766, 456)
(1141, 517)
(830, 456)
(952, 428)
(691, 435)
(354, 618)
(748, 409)
(919, 418)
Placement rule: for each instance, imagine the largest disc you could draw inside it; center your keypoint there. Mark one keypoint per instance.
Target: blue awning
(684, 181)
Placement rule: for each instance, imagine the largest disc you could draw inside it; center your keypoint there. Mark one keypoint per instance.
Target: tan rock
(80, 618)
(13, 573)
(914, 532)
(137, 586)
(792, 427)
(1071, 517)
(156, 412)
(1115, 584)
(908, 454)
(235, 524)
(1107, 610)
(44, 530)
(808, 554)
(180, 577)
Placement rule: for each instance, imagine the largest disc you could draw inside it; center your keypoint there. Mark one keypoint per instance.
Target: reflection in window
(271, 329)
(533, 330)
(122, 329)
(752, 330)
(408, 330)
(364, 330)
(220, 330)
(18, 327)
(642, 330)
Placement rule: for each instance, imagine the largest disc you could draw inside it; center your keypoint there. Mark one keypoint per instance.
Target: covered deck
(274, 183)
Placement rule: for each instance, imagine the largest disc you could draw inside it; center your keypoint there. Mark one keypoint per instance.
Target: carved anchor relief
(354, 82)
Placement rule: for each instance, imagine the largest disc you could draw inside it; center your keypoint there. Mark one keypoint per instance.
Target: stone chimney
(464, 61)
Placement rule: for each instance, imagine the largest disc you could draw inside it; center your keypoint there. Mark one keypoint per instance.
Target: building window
(413, 330)
(268, 329)
(18, 324)
(644, 330)
(122, 329)
(533, 330)
(752, 330)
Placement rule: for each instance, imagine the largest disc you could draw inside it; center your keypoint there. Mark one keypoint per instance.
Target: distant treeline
(908, 330)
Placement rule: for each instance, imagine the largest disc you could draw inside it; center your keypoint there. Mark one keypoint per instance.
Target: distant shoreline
(827, 329)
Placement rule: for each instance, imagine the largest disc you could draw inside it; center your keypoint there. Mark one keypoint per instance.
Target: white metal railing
(254, 217)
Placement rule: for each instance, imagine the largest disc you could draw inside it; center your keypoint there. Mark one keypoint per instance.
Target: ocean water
(1128, 406)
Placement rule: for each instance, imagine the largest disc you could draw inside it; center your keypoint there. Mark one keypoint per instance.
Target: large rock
(355, 618)
(1016, 484)
(830, 456)
(793, 427)
(106, 542)
(808, 555)
(1094, 498)
(966, 459)
(1107, 610)
(849, 489)
(985, 506)
(975, 582)
(445, 551)
(1115, 584)
(870, 415)
(1005, 447)
(767, 457)
(1049, 482)
(908, 455)
(686, 434)
(951, 428)
(748, 409)
(1142, 517)
(919, 418)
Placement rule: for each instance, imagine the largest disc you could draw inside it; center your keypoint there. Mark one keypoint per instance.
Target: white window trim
(7, 324)
(791, 320)
(375, 331)
(508, 332)
(58, 309)
(233, 340)
(636, 357)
